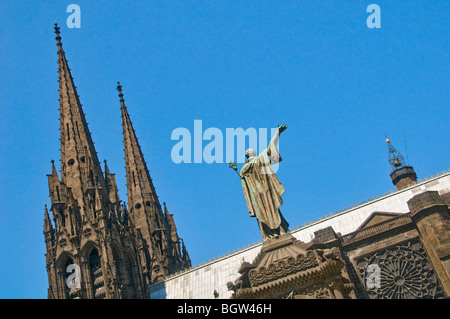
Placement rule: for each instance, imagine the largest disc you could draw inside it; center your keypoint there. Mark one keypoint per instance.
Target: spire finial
(57, 28)
(58, 37)
(387, 139)
(119, 88)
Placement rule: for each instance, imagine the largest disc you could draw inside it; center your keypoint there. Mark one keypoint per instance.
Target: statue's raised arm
(274, 141)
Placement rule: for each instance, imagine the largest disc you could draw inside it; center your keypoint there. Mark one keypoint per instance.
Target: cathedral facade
(97, 246)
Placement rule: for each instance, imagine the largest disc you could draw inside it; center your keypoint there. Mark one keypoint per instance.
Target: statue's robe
(263, 190)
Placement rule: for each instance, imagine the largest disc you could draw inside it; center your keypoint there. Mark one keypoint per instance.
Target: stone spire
(144, 208)
(139, 183)
(402, 174)
(89, 229)
(80, 167)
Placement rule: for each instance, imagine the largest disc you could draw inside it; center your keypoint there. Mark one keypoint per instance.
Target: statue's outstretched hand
(234, 166)
(282, 128)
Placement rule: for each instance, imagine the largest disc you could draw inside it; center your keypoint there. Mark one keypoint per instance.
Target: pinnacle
(57, 32)
(72, 118)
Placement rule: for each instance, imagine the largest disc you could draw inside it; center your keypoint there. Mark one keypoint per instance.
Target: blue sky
(315, 65)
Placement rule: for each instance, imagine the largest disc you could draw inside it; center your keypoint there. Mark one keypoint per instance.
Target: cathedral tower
(95, 248)
(165, 252)
(91, 252)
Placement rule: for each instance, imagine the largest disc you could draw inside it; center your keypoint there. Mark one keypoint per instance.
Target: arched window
(98, 282)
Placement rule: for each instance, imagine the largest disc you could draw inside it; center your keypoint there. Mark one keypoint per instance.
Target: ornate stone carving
(283, 267)
(286, 269)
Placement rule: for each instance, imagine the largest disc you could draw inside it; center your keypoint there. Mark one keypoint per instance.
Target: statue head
(250, 153)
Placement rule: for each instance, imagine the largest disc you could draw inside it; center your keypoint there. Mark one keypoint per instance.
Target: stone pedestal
(286, 268)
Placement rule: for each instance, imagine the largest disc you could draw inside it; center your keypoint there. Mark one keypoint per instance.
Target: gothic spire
(144, 208)
(77, 147)
(84, 216)
(140, 187)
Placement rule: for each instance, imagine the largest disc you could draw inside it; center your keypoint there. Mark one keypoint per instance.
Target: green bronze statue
(262, 189)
